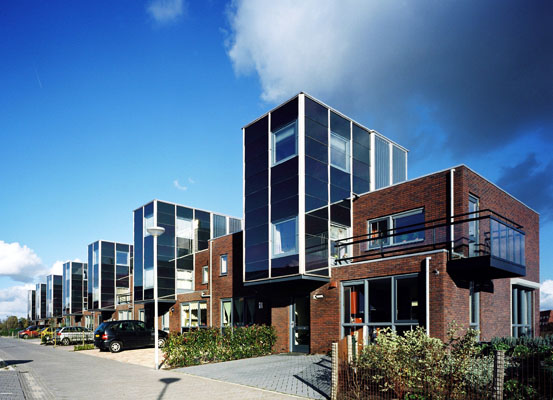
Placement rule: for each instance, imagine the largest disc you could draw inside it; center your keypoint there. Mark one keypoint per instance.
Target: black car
(117, 335)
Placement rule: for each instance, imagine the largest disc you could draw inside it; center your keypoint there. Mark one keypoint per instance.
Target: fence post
(498, 374)
(334, 375)
(349, 348)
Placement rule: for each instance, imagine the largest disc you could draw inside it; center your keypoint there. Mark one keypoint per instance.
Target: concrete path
(300, 375)
(10, 387)
(59, 374)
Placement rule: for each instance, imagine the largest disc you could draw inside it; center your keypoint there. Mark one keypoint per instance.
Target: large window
(522, 311)
(285, 237)
(185, 280)
(239, 311)
(339, 152)
(396, 229)
(337, 233)
(474, 306)
(372, 304)
(285, 143)
(122, 257)
(193, 315)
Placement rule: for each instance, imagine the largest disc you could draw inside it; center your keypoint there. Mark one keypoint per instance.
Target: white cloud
(18, 262)
(178, 185)
(13, 301)
(191, 181)
(165, 11)
(546, 295)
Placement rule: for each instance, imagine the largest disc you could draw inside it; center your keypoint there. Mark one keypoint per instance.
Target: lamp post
(156, 231)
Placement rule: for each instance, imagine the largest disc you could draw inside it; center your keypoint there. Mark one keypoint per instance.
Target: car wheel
(160, 342)
(65, 341)
(25, 336)
(46, 338)
(115, 347)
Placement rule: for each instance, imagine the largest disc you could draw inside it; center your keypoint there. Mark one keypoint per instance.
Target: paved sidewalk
(300, 375)
(10, 386)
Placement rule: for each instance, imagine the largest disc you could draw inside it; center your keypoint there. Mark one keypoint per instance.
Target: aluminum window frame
(390, 240)
(296, 236)
(221, 258)
(274, 143)
(347, 154)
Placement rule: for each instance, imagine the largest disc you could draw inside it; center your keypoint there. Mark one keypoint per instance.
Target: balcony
(482, 244)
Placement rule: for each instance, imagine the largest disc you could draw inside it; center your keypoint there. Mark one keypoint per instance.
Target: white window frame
(474, 296)
(347, 154)
(223, 271)
(274, 234)
(391, 240)
(205, 274)
(525, 285)
(273, 143)
(188, 325)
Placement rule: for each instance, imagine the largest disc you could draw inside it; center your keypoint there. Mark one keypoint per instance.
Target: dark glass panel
(361, 153)
(284, 209)
(258, 148)
(259, 216)
(316, 150)
(168, 237)
(315, 225)
(165, 208)
(149, 294)
(407, 299)
(166, 292)
(316, 251)
(340, 215)
(121, 247)
(360, 185)
(185, 212)
(361, 170)
(257, 130)
(339, 178)
(165, 269)
(256, 165)
(257, 270)
(257, 182)
(316, 169)
(321, 213)
(316, 188)
(316, 131)
(285, 265)
(257, 252)
(312, 203)
(339, 125)
(149, 209)
(186, 263)
(257, 235)
(284, 114)
(316, 111)
(166, 283)
(380, 300)
(361, 136)
(165, 253)
(337, 194)
(257, 199)
(284, 170)
(284, 189)
(165, 219)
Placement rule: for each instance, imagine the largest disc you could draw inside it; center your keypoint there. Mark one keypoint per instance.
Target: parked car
(47, 333)
(31, 331)
(73, 334)
(117, 335)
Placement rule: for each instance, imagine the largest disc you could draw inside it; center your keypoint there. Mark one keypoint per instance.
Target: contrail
(38, 78)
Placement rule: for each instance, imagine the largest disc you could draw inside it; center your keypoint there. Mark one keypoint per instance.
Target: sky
(107, 105)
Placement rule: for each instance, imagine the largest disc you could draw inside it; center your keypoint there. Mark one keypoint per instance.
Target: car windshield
(102, 327)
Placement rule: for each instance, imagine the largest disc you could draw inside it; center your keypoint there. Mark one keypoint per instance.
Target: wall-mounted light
(204, 295)
(318, 296)
(260, 305)
(436, 272)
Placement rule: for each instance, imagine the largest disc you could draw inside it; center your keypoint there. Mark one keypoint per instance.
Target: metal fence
(491, 376)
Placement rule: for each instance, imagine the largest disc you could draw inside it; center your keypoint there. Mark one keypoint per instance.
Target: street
(48, 373)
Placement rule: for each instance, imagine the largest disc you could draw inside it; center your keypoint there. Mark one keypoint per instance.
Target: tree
(12, 322)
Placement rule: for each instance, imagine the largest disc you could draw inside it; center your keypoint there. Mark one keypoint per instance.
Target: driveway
(300, 375)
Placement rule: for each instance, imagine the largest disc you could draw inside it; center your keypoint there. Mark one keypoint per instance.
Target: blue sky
(107, 105)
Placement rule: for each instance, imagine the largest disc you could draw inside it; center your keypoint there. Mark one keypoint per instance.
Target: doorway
(299, 325)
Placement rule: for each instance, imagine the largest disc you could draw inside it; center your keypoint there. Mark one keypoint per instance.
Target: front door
(299, 332)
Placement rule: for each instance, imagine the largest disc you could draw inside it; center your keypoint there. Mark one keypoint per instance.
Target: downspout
(210, 283)
(451, 205)
(427, 293)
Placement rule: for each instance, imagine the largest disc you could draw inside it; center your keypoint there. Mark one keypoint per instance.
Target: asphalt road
(48, 373)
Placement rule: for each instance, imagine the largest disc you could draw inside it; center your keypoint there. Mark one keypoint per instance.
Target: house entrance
(299, 325)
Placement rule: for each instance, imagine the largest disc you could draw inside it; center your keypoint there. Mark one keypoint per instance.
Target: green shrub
(210, 345)
(534, 345)
(80, 347)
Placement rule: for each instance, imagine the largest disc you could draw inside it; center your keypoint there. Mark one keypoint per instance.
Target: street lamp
(156, 231)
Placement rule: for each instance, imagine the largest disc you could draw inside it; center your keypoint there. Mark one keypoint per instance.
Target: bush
(526, 345)
(80, 347)
(210, 345)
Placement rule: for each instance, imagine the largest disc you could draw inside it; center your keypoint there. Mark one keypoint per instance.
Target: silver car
(74, 334)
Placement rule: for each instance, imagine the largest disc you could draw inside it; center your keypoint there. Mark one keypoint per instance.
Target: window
(226, 313)
(473, 226)
(185, 280)
(239, 311)
(522, 311)
(284, 143)
(193, 315)
(205, 274)
(122, 258)
(141, 315)
(396, 229)
(474, 306)
(219, 225)
(223, 264)
(372, 304)
(285, 238)
(338, 232)
(339, 152)
(165, 322)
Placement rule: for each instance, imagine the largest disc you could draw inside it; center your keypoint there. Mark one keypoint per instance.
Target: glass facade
(73, 287)
(54, 296)
(187, 231)
(31, 305)
(40, 301)
(335, 156)
(110, 265)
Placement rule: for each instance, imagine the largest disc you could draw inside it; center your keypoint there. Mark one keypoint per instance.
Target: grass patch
(80, 347)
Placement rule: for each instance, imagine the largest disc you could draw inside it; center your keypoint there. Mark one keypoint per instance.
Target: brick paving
(10, 387)
(299, 375)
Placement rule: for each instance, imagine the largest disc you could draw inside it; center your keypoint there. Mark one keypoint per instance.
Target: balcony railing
(480, 233)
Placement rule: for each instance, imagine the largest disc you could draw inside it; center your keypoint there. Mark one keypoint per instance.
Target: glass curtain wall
(40, 300)
(31, 305)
